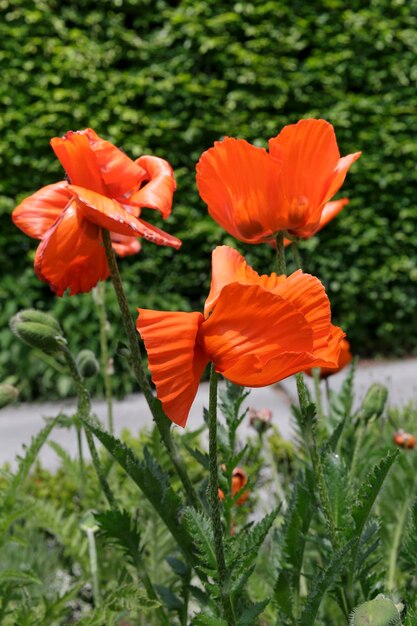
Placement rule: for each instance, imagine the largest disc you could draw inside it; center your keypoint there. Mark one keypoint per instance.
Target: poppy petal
(125, 246)
(158, 191)
(228, 266)
(175, 360)
(240, 184)
(71, 254)
(120, 173)
(249, 321)
(36, 214)
(111, 215)
(337, 177)
(309, 297)
(78, 159)
(309, 156)
(330, 211)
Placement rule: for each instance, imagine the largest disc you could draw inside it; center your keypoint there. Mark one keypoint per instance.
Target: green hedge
(169, 78)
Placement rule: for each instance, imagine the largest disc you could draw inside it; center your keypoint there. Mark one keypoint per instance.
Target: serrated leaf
(199, 527)
(120, 529)
(152, 481)
(321, 583)
(247, 617)
(244, 547)
(369, 491)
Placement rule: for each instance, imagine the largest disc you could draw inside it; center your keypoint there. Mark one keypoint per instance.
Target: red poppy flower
(253, 193)
(345, 358)
(106, 189)
(404, 440)
(256, 330)
(330, 210)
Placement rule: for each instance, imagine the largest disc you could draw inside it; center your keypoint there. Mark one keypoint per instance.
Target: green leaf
(169, 598)
(247, 617)
(18, 577)
(152, 481)
(119, 528)
(199, 527)
(322, 581)
(207, 620)
(369, 491)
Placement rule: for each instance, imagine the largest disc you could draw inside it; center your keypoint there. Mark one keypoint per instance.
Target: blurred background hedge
(169, 78)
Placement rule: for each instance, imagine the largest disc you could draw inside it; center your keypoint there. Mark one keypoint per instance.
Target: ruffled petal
(71, 254)
(309, 297)
(249, 321)
(158, 191)
(345, 358)
(175, 360)
(121, 175)
(111, 215)
(78, 159)
(240, 184)
(37, 213)
(125, 246)
(228, 266)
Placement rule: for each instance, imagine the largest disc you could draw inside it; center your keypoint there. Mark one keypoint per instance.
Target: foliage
(169, 79)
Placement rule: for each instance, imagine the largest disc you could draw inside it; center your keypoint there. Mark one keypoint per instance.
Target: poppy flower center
(298, 211)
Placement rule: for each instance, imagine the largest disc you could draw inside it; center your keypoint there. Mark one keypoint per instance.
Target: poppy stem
(214, 501)
(162, 422)
(100, 301)
(319, 403)
(84, 410)
(280, 258)
(296, 255)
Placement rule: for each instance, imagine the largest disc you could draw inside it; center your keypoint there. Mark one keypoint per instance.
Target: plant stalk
(214, 500)
(280, 262)
(100, 300)
(162, 422)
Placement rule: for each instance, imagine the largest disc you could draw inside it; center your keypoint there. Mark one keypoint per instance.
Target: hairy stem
(214, 501)
(84, 409)
(162, 422)
(319, 404)
(100, 301)
(280, 262)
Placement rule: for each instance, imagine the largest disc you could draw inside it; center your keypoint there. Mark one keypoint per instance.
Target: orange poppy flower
(253, 194)
(345, 358)
(404, 440)
(256, 330)
(105, 189)
(239, 480)
(330, 210)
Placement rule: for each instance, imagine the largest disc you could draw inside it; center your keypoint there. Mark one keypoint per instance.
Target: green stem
(161, 420)
(296, 255)
(104, 349)
(92, 553)
(84, 409)
(215, 503)
(280, 256)
(80, 458)
(319, 405)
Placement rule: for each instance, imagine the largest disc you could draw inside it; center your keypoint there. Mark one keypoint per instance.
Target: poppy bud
(374, 402)
(260, 419)
(380, 610)
(87, 364)
(239, 480)
(404, 440)
(8, 394)
(38, 330)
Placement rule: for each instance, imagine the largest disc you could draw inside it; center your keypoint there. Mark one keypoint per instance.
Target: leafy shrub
(169, 78)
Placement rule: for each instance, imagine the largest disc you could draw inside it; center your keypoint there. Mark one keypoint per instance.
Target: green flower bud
(38, 330)
(374, 402)
(379, 612)
(40, 317)
(8, 394)
(87, 364)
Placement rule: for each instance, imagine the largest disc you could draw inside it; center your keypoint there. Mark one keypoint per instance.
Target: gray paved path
(19, 423)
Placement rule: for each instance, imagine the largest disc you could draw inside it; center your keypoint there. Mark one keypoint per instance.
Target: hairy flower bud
(38, 330)
(87, 364)
(8, 394)
(374, 402)
(260, 419)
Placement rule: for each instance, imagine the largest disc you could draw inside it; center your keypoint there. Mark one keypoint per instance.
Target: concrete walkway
(19, 423)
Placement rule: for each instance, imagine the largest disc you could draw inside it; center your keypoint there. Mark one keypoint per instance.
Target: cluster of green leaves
(169, 78)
